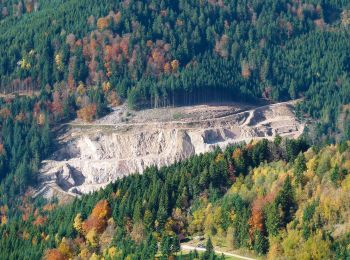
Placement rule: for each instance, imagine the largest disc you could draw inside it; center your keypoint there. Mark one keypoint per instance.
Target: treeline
(278, 199)
(24, 141)
(16, 8)
(131, 216)
(161, 53)
(26, 135)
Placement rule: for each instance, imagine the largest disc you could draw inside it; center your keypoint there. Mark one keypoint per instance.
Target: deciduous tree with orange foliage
(102, 23)
(87, 113)
(175, 65)
(98, 218)
(246, 70)
(54, 254)
(2, 149)
(56, 105)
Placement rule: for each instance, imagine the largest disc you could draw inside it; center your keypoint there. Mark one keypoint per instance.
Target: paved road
(187, 247)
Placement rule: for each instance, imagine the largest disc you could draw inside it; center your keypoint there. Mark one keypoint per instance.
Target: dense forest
(24, 141)
(62, 59)
(277, 198)
(159, 53)
(79, 57)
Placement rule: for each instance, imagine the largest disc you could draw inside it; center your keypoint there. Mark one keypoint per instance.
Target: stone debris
(92, 155)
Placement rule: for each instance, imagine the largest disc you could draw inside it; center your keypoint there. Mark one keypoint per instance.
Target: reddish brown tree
(87, 113)
(98, 218)
(54, 254)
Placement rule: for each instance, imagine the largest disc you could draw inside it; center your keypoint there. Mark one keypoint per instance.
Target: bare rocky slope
(92, 155)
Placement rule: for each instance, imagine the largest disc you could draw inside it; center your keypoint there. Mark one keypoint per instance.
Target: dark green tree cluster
(25, 140)
(227, 50)
(151, 199)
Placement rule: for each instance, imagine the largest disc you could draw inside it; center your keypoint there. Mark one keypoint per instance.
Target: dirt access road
(192, 248)
(89, 156)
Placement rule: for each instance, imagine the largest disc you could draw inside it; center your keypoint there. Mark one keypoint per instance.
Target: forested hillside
(83, 55)
(24, 141)
(275, 198)
(77, 58)
(159, 53)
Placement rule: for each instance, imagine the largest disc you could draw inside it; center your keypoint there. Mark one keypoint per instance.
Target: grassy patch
(178, 116)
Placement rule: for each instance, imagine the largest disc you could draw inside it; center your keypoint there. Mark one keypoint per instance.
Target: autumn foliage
(113, 99)
(2, 149)
(87, 113)
(257, 220)
(102, 23)
(246, 71)
(5, 113)
(56, 105)
(98, 219)
(54, 254)
(39, 221)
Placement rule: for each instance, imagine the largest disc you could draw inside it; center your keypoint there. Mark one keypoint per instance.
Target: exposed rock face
(92, 155)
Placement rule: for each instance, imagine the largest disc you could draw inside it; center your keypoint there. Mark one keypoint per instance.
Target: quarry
(91, 155)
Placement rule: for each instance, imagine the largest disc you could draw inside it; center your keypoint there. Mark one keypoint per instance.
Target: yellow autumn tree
(113, 252)
(167, 67)
(78, 223)
(175, 65)
(315, 248)
(41, 119)
(81, 89)
(102, 23)
(58, 62)
(65, 248)
(3, 220)
(292, 243)
(197, 223)
(92, 238)
(94, 256)
(106, 86)
(275, 250)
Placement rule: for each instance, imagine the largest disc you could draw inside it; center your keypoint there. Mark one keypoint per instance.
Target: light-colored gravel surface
(92, 155)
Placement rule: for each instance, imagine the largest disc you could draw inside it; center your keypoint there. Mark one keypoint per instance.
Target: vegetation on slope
(270, 197)
(83, 55)
(24, 141)
(157, 53)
